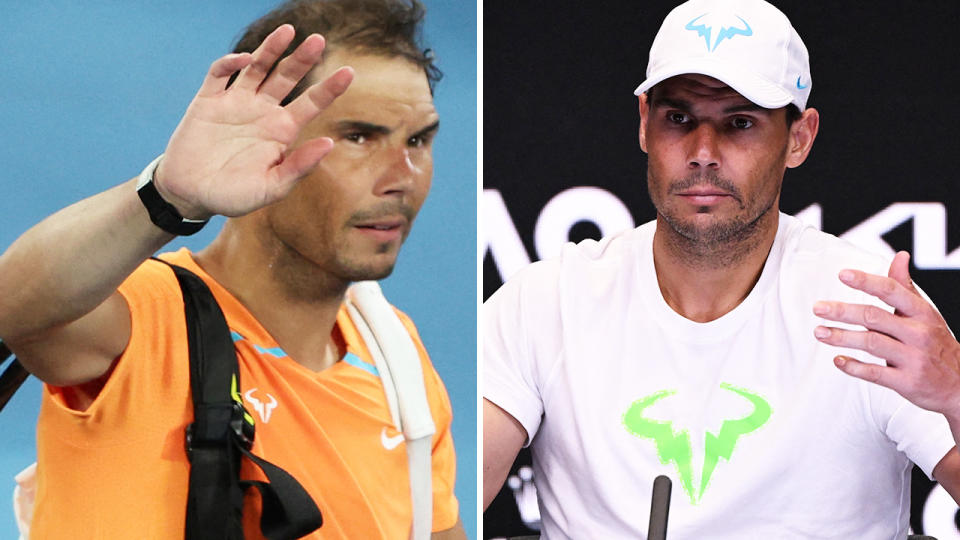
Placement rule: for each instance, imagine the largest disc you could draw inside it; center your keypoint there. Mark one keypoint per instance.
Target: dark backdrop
(559, 113)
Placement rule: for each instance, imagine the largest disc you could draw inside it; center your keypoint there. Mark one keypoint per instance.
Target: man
(686, 347)
(106, 330)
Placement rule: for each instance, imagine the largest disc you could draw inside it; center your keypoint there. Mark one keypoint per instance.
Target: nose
(401, 172)
(704, 147)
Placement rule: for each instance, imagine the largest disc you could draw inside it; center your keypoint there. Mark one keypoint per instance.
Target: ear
(644, 108)
(802, 134)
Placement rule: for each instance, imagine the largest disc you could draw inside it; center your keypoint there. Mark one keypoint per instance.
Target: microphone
(659, 508)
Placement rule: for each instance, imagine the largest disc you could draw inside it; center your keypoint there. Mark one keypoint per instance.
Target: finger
(220, 72)
(875, 343)
(887, 289)
(900, 270)
(264, 57)
(300, 162)
(319, 96)
(871, 317)
(882, 375)
(292, 68)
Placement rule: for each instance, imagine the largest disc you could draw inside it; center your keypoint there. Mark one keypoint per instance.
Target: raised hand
(922, 356)
(231, 153)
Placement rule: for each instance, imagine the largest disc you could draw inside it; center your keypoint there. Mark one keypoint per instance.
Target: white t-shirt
(761, 434)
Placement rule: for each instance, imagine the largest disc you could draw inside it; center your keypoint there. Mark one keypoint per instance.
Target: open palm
(231, 153)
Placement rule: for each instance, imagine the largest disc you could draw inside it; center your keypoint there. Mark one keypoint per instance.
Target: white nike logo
(390, 442)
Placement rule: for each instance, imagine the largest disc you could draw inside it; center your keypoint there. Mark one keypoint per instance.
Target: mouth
(383, 230)
(704, 196)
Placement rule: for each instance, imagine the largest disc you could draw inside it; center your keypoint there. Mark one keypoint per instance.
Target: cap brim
(751, 86)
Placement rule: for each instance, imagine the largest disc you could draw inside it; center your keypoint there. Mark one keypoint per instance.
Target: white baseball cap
(748, 44)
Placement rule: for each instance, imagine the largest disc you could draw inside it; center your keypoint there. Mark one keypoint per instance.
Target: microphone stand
(659, 508)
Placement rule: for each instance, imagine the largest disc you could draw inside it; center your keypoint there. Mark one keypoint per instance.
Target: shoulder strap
(24, 491)
(223, 432)
(13, 376)
(398, 363)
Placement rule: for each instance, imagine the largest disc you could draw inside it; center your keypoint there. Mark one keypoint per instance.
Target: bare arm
(922, 356)
(947, 473)
(503, 437)
(58, 282)
(230, 155)
(453, 533)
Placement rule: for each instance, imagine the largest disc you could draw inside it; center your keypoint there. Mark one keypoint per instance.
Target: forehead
(385, 91)
(698, 89)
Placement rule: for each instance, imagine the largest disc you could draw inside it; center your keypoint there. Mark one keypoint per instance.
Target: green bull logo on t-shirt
(674, 446)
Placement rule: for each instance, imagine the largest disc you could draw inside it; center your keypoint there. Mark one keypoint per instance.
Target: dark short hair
(388, 28)
(792, 112)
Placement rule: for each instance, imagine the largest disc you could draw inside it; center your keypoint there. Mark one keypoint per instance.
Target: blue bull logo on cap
(726, 32)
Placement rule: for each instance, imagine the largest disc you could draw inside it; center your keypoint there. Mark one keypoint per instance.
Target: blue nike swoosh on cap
(801, 86)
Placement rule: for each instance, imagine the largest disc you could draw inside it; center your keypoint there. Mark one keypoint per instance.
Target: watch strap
(162, 213)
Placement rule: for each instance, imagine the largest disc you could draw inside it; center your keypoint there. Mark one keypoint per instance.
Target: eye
(418, 141)
(742, 123)
(358, 138)
(678, 117)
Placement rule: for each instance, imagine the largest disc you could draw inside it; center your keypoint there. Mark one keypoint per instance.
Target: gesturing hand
(923, 358)
(231, 152)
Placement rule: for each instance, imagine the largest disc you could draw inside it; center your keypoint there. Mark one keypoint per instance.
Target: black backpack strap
(288, 511)
(13, 376)
(223, 431)
(220, 426)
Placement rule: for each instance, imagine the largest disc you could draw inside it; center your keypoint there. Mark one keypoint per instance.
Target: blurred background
(562, 162)
(92, 91)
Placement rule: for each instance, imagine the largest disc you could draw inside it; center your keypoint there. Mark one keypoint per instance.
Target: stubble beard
(335, 263)
(352, 270)
(304, 280)
(720, 242)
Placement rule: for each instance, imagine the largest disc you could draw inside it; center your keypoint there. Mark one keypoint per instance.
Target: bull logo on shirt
(674, 446)
(263, 408)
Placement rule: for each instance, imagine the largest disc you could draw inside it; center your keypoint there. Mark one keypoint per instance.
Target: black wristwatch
(162, 213)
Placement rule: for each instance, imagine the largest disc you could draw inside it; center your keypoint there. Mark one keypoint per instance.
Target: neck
(285, 292)
(704, 281)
